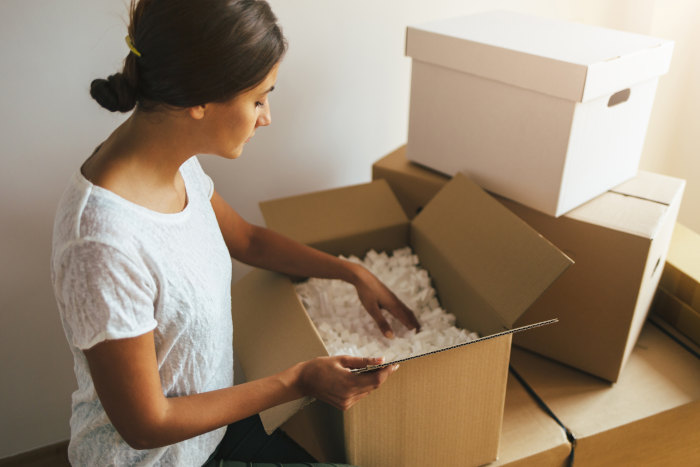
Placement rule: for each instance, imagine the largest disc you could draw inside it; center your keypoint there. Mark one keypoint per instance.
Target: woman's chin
(234, 154)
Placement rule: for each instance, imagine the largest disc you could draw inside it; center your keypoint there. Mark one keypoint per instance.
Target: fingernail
(395, 367)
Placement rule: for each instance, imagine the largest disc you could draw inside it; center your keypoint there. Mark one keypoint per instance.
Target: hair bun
(114, 93)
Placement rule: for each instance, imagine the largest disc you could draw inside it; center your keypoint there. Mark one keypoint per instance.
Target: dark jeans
(247, 444)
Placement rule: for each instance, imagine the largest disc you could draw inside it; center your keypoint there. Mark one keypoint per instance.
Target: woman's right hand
(331, 380)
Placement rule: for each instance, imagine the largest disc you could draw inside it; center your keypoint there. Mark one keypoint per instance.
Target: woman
(142, 252)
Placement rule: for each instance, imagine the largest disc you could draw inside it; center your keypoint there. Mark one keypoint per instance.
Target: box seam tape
(640, 197)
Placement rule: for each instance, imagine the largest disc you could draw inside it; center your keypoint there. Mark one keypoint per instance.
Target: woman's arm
(261, 247)
(125, 374)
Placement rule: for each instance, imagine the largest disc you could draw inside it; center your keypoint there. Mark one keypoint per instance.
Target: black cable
(569, 435)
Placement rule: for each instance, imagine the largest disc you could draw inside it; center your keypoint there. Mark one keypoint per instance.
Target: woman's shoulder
(89, 212)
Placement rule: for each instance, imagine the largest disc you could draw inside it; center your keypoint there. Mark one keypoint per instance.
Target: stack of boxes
(549, 118)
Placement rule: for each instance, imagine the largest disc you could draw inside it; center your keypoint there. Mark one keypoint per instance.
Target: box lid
(637, 207)
(564, 59)
(503, 262)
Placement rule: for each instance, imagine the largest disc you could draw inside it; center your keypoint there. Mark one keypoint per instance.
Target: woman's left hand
(375, 296)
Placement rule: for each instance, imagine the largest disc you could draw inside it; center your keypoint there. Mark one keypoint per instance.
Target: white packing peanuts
(547, 113)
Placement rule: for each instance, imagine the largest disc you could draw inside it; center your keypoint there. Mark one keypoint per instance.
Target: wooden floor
(52, 455)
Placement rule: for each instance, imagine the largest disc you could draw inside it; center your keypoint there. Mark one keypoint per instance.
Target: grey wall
(341, 103)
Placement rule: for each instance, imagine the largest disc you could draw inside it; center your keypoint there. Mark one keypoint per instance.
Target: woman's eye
(259, 104)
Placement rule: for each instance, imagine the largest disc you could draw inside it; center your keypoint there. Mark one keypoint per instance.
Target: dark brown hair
(192, 52)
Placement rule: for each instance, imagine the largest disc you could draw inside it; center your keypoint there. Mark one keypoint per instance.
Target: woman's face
(231, 124)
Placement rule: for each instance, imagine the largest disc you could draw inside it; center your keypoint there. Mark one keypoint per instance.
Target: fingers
(351, 362)
(366, 383)
(343, 389)
(403, 314)
(375, 296)
(382, 323)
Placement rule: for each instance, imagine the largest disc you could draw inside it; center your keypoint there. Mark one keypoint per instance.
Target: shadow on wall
(32, 343)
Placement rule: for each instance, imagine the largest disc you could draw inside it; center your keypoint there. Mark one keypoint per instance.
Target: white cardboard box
(547, 113)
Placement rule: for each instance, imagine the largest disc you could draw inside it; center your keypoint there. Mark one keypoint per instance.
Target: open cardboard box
(619, 241)
(443, 408)
(545, 112)
(649, 417)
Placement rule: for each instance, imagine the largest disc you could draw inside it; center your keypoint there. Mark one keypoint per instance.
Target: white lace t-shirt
(121, 270)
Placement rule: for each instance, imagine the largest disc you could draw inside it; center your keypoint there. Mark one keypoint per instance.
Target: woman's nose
(265, 117)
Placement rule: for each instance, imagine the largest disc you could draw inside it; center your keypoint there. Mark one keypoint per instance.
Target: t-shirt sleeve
(105, 295)
(194, 171)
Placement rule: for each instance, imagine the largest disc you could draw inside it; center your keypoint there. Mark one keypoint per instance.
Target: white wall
(340, 104)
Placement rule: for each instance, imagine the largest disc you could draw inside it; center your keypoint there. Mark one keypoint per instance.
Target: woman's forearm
(270, 250)
(176, 419)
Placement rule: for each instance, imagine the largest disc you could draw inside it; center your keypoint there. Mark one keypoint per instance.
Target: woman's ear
(197, 112)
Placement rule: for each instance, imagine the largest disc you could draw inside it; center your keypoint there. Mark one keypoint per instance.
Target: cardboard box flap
(473, 239)
(564, 59)
(457, 346)
(326, 219)
(271, 332)
(637, 207)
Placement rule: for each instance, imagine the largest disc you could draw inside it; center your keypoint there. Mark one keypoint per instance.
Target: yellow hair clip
(130, 43)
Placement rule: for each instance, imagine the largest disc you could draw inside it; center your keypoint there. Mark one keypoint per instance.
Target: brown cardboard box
(681, 275)
(414, 185)
(443, 408)
(530, 437)
(542, 111)
(618, 240)
(648, 418)
(678, 314)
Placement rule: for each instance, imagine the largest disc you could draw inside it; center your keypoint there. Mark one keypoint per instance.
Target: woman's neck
(140, 160)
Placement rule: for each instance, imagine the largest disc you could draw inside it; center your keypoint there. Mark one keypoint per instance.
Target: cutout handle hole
(619, 97)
